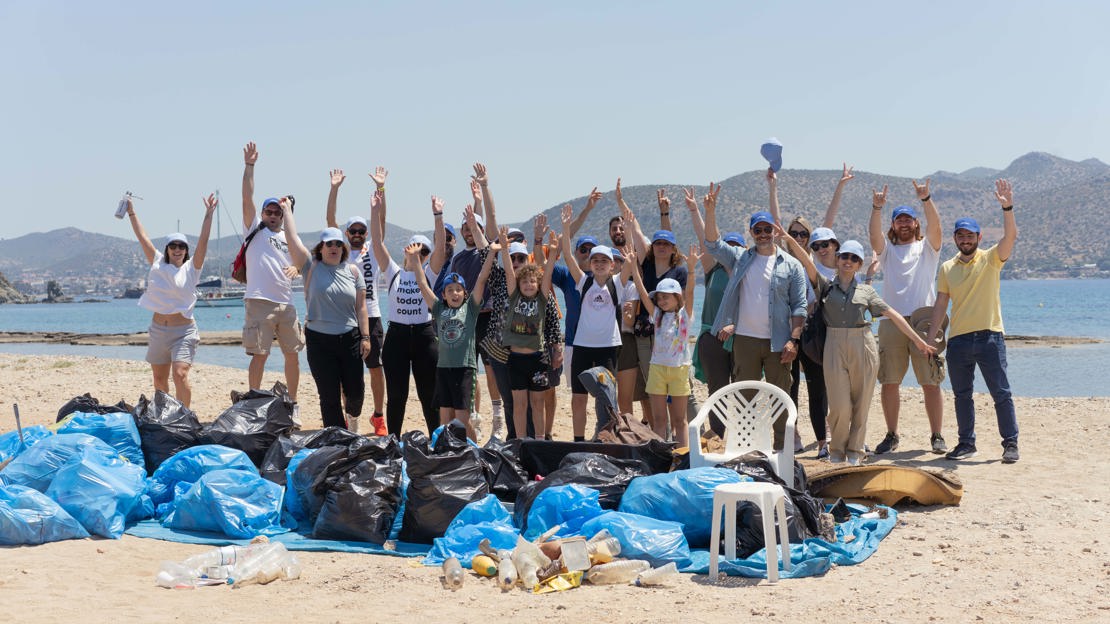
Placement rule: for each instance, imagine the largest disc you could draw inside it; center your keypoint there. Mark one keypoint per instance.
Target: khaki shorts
(267, 320)
(172, 343)
(669, 380)
(896, 353)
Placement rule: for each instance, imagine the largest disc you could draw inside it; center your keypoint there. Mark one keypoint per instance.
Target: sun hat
(423, 240)
(667, 285)
(772, 151)
(664, 235)
(761, 217)
(851, 247)
(331, 234)
(903, 210)
(601, 250)
(735, 237)
(921, 321)
(966, 223)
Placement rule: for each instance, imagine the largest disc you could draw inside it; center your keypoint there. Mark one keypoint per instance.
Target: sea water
(1029, 307)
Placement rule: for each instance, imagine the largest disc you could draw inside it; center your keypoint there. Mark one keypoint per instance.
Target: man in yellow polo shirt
(975, 335)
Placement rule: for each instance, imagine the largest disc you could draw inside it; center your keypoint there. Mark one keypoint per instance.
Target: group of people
(479, 291)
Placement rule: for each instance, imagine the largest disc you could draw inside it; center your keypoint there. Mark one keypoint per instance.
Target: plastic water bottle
(453, 573)
(600, 535)
(261, 566)
(223, 556)
(173, 575)
(604, 551)
(506, 571)
(617, 572)
(658, 576)
(529, 559)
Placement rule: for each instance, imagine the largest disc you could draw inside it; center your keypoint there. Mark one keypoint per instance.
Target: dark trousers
(987, 350)
(336, 366)
(716, 363)
(410, 348)
(815, 384)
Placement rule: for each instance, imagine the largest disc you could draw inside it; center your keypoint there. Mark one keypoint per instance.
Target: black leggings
(336, 366)
(415, 347)
(815, 384)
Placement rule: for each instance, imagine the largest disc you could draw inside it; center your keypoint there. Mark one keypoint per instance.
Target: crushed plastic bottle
(264, 565)
(617, 572)
(657, 576)
(600, 535)
(506, 571)
(529, 559)
(173, 575)
(453, 573)
(603, 550)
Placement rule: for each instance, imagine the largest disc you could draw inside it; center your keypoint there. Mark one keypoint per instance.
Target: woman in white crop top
(170, 295)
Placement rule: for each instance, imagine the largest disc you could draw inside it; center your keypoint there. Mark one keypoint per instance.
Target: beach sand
(1025, 544)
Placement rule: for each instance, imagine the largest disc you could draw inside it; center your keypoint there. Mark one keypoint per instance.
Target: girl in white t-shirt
(170, 295)
(669, 373)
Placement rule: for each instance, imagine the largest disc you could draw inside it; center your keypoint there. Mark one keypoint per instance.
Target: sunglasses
(357, 231)
(333, 243)
(424, 251)
(852, 257)
(799, 233)
(585, 249)
(177, 246)
(820, 245)
(519, 258)
(763, 230)
(275, 212)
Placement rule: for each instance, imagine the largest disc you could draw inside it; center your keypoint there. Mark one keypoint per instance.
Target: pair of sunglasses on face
(177, 246)
(333, 243)
(357, 231)
(799, 234)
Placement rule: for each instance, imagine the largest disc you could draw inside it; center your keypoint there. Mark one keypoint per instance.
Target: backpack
(815, 328)
(239, 266)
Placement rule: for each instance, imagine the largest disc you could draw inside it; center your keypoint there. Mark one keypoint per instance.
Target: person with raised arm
(410, 339)
(909, 254)
(970, 281)
(268, 300)
(170, 296)
(336, 330)
(670, 306)
(598, 333)
(357, 230)
(497, 378)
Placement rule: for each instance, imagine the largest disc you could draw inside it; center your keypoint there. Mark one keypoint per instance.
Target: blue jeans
(988, 350)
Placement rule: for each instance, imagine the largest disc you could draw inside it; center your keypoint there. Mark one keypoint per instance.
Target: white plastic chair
(748, 425)
(771, 500)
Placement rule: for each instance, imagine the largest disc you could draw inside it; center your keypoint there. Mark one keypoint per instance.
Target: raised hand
(554, 246)
(691, 200)
(210, 203)
(620, 196)
(1004, 193)
(437, 206)
(922, 190)
(878, 199)
(476, 192)
(847, 175)
(378, 176)
(250, 153)
(664, 202)
(494, 248)
(376, 199)
(503, 234)
(539, 226)
(692, 259)
(480, 176)
(771, 177)
(873, 265)
(468, 215)
(567, 216)
(593, 198)
(337, 177)
(412, 255)
(710, 199)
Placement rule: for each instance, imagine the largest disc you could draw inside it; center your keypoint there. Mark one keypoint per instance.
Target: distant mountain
(1062, 209)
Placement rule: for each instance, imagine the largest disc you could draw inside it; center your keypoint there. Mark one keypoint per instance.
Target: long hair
(680, 296)
(917, 235)
(166, 253)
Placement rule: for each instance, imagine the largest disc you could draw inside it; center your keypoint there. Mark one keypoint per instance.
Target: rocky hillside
(8, 293)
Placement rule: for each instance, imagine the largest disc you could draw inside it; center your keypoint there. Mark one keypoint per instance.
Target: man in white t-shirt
(908, 258)
(269, 297)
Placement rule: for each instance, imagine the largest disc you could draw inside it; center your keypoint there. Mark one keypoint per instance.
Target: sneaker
(476, 424)
(889, 443)
(296, 417)
(939, 446)
(378, 422)
(836, 459)
(854, 461)
(497, 429)
(823, 452)
(1010, 452)
(352, 424)
(964, 451)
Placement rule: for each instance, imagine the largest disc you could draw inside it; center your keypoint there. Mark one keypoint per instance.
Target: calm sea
(1029, 307)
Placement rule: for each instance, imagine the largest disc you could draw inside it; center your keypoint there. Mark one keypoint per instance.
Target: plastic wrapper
(567, 505)
(252, 423)
(102, 494)
(442, 480)
(235, 503)
(277, 458)
(36, 466)
(166, 427)
(683, 496)
(188, 466)
(608, 475)
(656, 541)
(116, 428)
(29, 517)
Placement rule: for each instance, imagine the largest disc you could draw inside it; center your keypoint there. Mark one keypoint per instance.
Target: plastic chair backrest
(748, 410)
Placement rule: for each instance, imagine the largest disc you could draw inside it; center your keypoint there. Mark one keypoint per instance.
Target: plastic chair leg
(730, 529)
(770, 550)
(715, 539)
(784, 533)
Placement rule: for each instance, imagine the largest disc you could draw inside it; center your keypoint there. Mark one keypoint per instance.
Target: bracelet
(874, 207)
(664, 214)
(437, 214)
(538, 241)
(927, 198)
(381, 188)
(1007, 208)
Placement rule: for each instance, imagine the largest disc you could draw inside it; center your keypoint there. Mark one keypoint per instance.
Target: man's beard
(618, 240)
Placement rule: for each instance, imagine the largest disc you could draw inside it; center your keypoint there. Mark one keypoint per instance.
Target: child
(455, 317)
(669, 373)
(522, 333)
(598, 333)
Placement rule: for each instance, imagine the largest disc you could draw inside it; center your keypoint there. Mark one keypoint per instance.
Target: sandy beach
(1024, 544)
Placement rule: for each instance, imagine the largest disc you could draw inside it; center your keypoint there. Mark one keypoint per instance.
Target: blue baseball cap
(664, 235)
(271, 200)
(761, 217)
(585, 240)
(616, 254)
(772, 151)
(735, 237)
(903, 210)
(966, 223)
(331, 234)
(454, 278)
(851, 247)
(450, 228)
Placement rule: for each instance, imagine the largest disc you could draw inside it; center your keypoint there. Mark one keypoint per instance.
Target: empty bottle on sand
(264, 565)
(657, 576)
(506, 571)
(453, 573)
(616, 572)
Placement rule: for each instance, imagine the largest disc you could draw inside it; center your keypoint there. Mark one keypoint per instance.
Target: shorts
(172, 343)
(377, 339)
(568, 357)
(455, 388)
(627, 356)
(527, 371)
(267, 320)
(585, 358)
(897, 353)
(669, 380)
(481, 329)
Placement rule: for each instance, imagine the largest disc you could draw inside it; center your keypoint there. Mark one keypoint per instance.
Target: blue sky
(555, 98)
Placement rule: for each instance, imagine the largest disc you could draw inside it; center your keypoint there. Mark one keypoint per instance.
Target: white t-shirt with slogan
(406, 304)
(598, 326)
(267, 256)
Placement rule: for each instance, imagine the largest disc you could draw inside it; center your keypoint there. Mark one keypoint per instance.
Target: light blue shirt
(788, 290)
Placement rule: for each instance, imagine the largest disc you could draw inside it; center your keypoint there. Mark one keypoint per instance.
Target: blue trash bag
(398, 520)
(29, 517)
(292, 500)
(101, 495)
(567, 505)
(117, 429)
(483, 519)
(190, 465)
(657, 541)
(10, 445)
(36, 466)
(683, 496)
(236, 503)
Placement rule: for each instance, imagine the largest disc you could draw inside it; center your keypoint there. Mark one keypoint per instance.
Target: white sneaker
(498, 427)
(476, 424)
(853, 461)
(296, 417)
(352, 424)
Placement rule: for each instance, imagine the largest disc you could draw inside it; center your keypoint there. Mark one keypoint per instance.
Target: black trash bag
(504, 463)
(361, 492)
(165, 428)
(287, 444)
(608, 475)
(803, 510)
(304, 479)
(442, 480)
(542, 457)
(253, 422)
(88, 404)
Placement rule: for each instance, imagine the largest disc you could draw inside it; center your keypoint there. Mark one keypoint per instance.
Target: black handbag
(815, 329)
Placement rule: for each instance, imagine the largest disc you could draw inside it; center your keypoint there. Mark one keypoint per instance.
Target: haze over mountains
(1061, 207)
